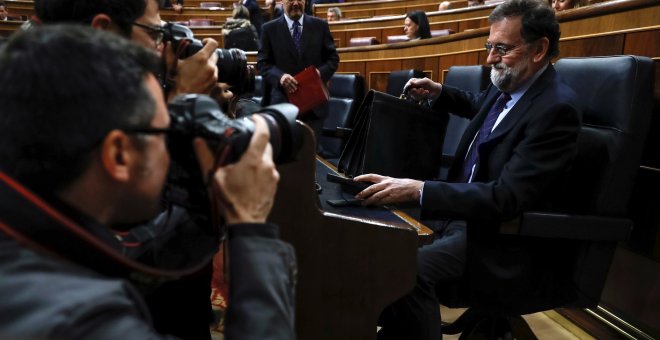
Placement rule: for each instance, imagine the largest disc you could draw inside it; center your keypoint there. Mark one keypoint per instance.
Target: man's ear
(116, 155)
(541, 50)
(102, 22)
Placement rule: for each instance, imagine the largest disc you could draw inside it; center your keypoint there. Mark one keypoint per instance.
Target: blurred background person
(334, 14)
(416, 25)
(256, 16)
(475, 3)
(3, 11)
(561, 5)
(445, 5)
(239, 32)
(176, 5)
(276, 8)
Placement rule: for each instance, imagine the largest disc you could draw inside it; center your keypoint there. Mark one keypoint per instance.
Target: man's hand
(388, 190)
(289, 83)
(221, 93)
(177, 8)
(197, 73)
(245, 190)
(423, 88)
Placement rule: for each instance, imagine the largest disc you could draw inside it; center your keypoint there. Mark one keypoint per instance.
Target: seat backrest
(467, 78)
(398, 79)
(197, 22)
(210, 4)
(441, 33)
(391, 39)
(346, 94)
(616, 95)
(243, 38)
(258, 89)
(363, 41)
(616, 98)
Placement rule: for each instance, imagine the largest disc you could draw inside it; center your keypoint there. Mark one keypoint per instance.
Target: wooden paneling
(606, 45)
(446, 61)
(377, 73)
(9, 27)
(19, 7)
(643, 43)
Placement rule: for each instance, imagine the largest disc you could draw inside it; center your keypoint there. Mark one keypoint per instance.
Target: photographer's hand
(245, 190)
(423, 88)
(195, 74)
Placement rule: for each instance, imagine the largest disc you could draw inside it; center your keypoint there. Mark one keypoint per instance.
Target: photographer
(176, 232)
(140, 20)
(83, 127)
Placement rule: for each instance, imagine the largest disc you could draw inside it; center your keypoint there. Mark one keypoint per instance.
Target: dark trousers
(417, 315)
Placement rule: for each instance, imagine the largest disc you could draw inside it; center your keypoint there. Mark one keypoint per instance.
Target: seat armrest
(579, 227)
(338, 132)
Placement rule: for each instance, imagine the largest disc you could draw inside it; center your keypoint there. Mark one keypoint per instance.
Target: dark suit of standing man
(520, 165)
(278, 59)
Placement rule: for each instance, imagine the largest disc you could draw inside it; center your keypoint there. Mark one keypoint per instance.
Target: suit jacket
(278, 55)
(521, 167)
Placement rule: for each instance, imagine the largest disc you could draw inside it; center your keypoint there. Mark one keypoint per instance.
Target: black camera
(232, 63)
(199, 116)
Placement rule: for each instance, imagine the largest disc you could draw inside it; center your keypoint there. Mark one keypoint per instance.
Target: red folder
(311, 91)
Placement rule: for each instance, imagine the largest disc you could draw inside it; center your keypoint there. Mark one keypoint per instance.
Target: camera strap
(35, 224)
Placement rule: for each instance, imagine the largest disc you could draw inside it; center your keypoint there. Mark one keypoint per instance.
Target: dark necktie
(296, 34)
(472, 157)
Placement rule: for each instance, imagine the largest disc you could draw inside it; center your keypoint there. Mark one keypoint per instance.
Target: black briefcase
(394, 137)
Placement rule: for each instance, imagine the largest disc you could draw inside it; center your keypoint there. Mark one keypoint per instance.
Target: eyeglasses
(156, 33)
(500, 49)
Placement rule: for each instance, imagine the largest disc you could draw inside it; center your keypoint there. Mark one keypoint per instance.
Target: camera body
(194, 116)
(232, 63)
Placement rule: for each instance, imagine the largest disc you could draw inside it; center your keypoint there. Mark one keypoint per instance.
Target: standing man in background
(288, 45)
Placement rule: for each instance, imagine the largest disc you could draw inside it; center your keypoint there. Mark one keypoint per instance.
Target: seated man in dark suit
(520, 143)
(288, 45)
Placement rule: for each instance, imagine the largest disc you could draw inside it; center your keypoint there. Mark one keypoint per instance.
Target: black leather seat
(617, 97)
(468, 78)
(258, 89)
(346, 94)
(398, 79)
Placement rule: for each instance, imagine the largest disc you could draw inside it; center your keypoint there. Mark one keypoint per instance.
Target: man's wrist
(268, 230)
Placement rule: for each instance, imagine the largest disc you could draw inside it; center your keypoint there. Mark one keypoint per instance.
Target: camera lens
(234, 70)
(232, 63)
(199, 116)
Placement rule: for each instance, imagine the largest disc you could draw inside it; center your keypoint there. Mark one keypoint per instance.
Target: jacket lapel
(306, 35)
(523, 104)
(286, 37)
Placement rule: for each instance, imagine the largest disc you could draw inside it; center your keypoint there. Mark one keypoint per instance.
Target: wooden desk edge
(425, 235)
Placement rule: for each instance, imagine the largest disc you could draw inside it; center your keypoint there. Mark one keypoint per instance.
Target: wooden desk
(349, 268)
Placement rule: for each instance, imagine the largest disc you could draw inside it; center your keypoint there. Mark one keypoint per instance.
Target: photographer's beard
(508, 78)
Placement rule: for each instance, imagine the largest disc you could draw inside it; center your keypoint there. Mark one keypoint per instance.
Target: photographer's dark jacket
(44, 296)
